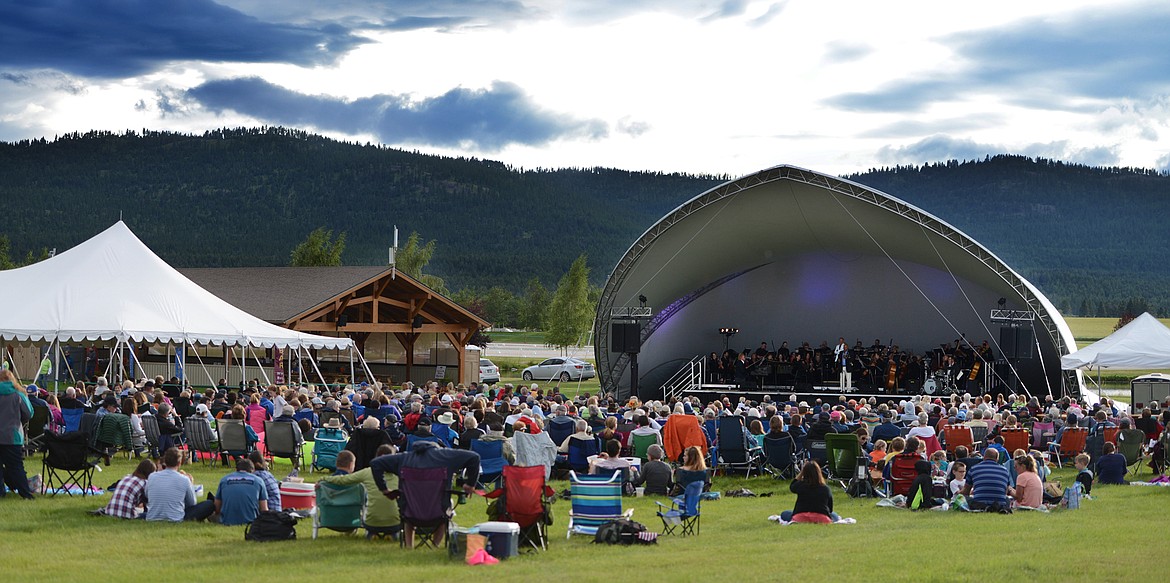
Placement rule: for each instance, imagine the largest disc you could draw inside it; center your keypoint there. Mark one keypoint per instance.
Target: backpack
(270, 526)
(623, 531)
(861, 488)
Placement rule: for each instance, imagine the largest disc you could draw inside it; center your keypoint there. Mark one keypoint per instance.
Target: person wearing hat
(442, 429)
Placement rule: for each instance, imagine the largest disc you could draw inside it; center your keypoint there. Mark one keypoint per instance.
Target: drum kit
(941, 383)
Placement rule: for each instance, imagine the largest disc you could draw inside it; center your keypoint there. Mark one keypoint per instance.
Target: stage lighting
(642, 299)
(1002, 302)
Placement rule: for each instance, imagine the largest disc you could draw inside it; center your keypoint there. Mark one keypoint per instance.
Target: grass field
(1113, 537)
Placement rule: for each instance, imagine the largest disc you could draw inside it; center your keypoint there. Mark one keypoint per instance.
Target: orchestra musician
(841, 357)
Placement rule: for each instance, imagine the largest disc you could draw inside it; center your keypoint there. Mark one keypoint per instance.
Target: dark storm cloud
(487, 119)
(1121, 53)
(119, 38)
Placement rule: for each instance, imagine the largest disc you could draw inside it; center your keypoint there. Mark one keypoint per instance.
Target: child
(1084, 474)
(959, 471)
(938, 459)
(879, 452)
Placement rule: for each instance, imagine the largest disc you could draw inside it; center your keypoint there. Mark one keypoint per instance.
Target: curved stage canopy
(788, 254)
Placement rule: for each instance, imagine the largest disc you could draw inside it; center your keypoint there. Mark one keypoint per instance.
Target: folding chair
(559, 428)
(325, 416)
(1041, 434)
(526, 501)
(150, 427)
(683, 512)
(67, 462)
(340, 508)
(1111, 434)
(113, 434)
(902, 473)
(816, 450)
(233, 438)
(979, 436)
(734, 451)
(72, 419)
(35, 429)
(327, 443)
(641, 443)
(778, 457)
(957, 435)
(594, 501)
(413, 439)
(1018, 438)
(491, 461)
(200, 439)
(1072, 444)
(841, 453)
(426, 503)
(280, 440)
(580, 450)
(1129, 444)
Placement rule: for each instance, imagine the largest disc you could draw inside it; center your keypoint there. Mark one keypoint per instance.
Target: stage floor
(807, 393)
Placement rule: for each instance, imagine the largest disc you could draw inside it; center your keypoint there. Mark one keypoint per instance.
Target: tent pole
(259, 365)
(135, 359)
(204, 367)
(72, 377)
(57, 369)
(314, 363)
(366, 366)
(110, 365)
(352, 372)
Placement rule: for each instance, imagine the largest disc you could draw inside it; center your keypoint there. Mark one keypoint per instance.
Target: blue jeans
(786, 516)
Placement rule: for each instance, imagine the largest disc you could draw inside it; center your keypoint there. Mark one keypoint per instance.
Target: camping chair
(580, 450)
(841, 452)
(200, 439)
(324, 417)
(1129, 444)
(150, 427)
(444, 434)
(1042, 433)
(1072, 443)
(1111, 434)
(1017, 438)
(682, 432)
(559, 428)
(113, 434)
(349, 416)
(526, 502)
(66, 464)
(311, 416)
(979, 436)
(902, 473)
(72, 419)
(711, 430)
(328, 442)
(34, 433)
(413, 439)
(778, 457)
(957, 435)
(817, 450)
(340, 508)
(641, 443)
(426, 503)
(932, 444)
(280, 440)
(491, 461)
(683, 512)
(233, 438)
(594, 500)
(734, 452)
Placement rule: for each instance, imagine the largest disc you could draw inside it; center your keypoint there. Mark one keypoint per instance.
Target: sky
(698, 86)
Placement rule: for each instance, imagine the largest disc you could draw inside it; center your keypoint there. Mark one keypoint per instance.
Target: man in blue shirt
(240, 496)
(987, 484)
(887, 430)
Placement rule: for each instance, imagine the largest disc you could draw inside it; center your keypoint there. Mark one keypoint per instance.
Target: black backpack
(619, 531)
(270, 526)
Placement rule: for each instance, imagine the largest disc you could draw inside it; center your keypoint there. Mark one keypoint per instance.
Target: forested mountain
(1090, 238)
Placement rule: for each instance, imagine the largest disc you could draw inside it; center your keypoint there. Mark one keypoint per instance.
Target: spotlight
(417, 322)
(642, 299)
(1002, 302)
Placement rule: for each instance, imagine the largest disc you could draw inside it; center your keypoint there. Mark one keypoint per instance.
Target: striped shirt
(272, 487)
(169, 494)
(989, 482)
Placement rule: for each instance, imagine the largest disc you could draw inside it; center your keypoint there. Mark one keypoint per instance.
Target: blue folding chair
(491, 461)
(580, 450)
(594, 501)
(683, 512)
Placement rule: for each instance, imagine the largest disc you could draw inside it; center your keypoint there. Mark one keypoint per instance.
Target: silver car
(564, 369)
(489, 373)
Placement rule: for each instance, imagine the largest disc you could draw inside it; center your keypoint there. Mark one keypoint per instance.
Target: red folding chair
(526, 497)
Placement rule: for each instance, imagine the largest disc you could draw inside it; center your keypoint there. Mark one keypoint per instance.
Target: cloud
(939, 148)
(396, 15)
(907, 128)
(727, 9)
(936, 148)
(1163, 164)
(120, 38)
(845, 52)
(631, 127)
(485, 119)
(1122, 52)
(773, 11)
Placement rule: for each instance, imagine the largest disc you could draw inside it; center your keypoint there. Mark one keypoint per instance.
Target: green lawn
(1113, 537)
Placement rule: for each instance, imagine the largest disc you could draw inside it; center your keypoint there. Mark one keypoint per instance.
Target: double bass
(892, 374)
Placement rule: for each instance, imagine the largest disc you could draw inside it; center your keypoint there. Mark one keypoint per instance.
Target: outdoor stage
(808, 393)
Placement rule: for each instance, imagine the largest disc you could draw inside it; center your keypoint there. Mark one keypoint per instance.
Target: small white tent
(112, 287)
(1143, 343)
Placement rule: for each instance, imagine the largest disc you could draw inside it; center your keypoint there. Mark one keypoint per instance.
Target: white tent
(112, 287)
(1141, 344)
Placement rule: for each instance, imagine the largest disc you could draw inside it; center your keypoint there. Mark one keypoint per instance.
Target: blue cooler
(503, 538)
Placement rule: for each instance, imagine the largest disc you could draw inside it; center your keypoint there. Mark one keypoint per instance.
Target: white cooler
(503, 538)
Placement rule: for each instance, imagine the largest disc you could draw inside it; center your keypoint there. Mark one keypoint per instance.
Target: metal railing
(689, 377)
